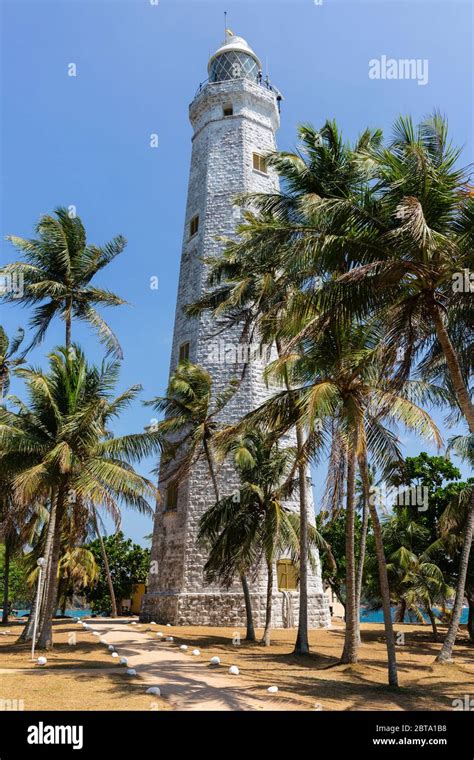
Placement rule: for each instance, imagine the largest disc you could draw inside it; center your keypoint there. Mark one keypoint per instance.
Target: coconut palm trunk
(452, 363)
(350, 653)
(68, 319)
(302, 640)
(6, 579)
(113, 601)
(45, 639)
(432, 619)
(268, 608)
(448, 645)
(250, 634)
(360, 567)
(382, 569)
(27, 633)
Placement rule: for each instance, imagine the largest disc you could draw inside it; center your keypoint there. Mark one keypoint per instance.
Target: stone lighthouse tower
(234, 117)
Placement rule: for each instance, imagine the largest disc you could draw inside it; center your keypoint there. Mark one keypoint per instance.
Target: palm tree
(62, 447)
(409, 238)
(340, 376)
(77, 570)
(415, 579)
(255, 526)
(56, 274)
(363, 537)
(459, 515)
(191, 419)
(17, 527)
(8, 361)
(254, 282)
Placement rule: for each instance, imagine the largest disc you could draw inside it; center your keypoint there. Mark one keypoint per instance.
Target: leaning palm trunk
(302, 639)
(432, 619)
(113, 601)
(360, 568)
(6, 578)
(45, 639)
(448, 645)
(27, 633)
(52, 525)
(350, 653)
(268, 611)
(452, 363)
(250, 634)
(382, 568)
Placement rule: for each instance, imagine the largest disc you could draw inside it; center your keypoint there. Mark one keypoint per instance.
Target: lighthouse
(234, 116)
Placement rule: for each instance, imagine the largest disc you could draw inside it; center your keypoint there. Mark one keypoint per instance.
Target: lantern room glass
(233, 65)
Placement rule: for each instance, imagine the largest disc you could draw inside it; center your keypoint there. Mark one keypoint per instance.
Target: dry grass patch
(319, 681)
(80, 675)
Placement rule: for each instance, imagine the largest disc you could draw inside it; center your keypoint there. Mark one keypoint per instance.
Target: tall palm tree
(61, 444)
(8, 360)
(415, 578)
(341, 376)
(56, 274)
(459, 515)
(254, 281)
(409, 238)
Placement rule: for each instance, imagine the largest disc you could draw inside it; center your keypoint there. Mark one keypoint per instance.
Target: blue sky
(85, 140)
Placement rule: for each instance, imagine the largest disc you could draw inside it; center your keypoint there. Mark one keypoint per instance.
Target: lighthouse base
(227, 609)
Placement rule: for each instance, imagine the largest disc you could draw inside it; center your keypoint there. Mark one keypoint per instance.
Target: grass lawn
(80, 675)
(318, 681)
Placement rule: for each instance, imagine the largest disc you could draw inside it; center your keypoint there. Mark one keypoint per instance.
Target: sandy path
(186, 682)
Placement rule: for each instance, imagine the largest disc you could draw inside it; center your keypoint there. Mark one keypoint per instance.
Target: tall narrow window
(228, 110)
(260, 163)
(184, 352)
(194, 225)
(286, 575)
(171, 496)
